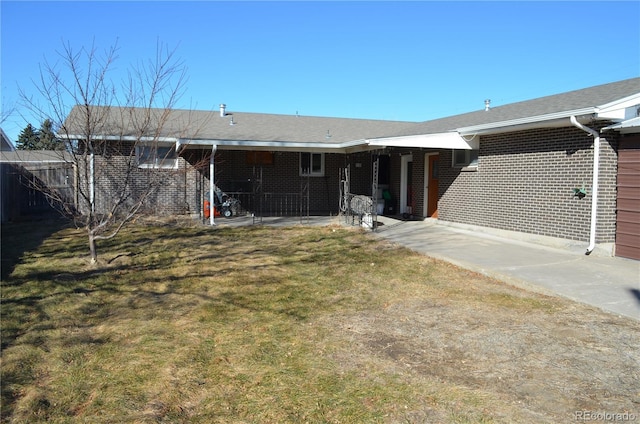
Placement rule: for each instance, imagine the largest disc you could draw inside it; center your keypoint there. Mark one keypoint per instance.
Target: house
(5, 144)
(562, 166)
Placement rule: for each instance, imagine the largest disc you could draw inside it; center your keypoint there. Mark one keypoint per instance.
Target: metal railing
(270, 204)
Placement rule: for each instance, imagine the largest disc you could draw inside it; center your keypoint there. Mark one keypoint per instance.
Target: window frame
(312, 173)
(470, 162)
(153, 160)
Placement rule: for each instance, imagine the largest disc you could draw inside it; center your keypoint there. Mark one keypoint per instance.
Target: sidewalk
(609, 283)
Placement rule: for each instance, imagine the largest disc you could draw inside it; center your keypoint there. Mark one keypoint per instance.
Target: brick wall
(417, 178)
(234, 173)
(182, 189)
(525, 181)
(171, 198)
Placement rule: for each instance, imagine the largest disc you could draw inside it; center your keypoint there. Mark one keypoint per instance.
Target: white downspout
(594, 184)
(92, 181)
(211, 184)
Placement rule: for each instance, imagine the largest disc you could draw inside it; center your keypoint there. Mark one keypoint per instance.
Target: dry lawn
(182, 323)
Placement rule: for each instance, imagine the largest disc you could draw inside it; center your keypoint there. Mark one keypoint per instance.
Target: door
(406, 186)
(431, 189)
(628, 214)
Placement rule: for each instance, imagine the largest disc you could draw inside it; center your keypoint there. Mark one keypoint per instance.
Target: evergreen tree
(47, 137)
(43, 139)
(28, 139)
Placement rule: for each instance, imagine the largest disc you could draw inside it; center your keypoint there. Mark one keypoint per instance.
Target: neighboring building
(5, 186)
(27, 176)
(525, 167)
(5, 144)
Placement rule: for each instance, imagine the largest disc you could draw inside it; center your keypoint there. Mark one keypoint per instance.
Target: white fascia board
(621, 103)
(448, 140)
(273, 145)
(528, 122)
(166, 140)
(617, 110)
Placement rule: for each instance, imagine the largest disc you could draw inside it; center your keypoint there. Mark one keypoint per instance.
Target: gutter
(145, 139)
(594, 184)
(528, 121)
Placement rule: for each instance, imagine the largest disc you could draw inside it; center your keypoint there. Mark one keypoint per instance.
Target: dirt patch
(549, 366)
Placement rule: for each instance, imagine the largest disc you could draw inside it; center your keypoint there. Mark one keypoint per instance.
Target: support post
(212, 194)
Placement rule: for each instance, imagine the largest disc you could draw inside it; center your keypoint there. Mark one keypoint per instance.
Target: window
(312, 164)
(157, 157)
(465, 158)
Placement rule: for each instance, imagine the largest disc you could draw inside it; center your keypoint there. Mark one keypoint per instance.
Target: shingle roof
(240, 126)
(565, 102)
(5, 144)
(35, 156)
(266, 128)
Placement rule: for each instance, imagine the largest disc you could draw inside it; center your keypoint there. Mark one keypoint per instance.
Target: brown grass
(193, 324)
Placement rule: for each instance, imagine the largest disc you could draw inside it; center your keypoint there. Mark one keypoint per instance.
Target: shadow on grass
(20, 237)
(153, 273)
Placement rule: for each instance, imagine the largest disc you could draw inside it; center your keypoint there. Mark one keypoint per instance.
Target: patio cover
(626, 127)
(446, 140)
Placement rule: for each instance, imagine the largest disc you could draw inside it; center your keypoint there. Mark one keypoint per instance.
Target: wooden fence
(27, 189)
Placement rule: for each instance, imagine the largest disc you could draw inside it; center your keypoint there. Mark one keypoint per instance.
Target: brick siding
(233, 173)
(525, 180)
(171, 198)
(417, 178)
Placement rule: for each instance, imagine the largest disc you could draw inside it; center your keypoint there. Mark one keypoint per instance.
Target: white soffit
(616, 110)
(448, 140)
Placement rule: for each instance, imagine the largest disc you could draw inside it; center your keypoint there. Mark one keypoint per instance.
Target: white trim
(120, 138)
(562, 118)
(212, 175)
(311, 173)
(619, 104)
(467, 161)
(446, 140)
(629, 126)
(404, 164)
(160, 163)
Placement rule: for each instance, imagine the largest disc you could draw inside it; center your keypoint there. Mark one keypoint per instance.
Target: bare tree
(6, 110)
(119, 137)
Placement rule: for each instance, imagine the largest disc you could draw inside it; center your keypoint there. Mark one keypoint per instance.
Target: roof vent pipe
(222, 109)
(487, 104)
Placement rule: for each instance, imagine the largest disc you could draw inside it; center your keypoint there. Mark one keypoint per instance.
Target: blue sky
(413, 61)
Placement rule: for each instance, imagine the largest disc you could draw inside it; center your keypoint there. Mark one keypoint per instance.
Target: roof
(5, 143)
(577, 102)
(630, 126)
(35, 157)
(193, 127)
(239, 130)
